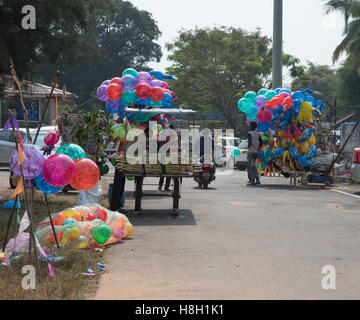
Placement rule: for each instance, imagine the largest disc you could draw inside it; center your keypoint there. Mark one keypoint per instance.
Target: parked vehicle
(355, 167)
(206, 175)
(241, 160)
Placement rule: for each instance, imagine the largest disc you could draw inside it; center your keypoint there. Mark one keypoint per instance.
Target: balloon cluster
(85, 227)
(136, 88)
(51, 138)
(287, 122)
(68, 165)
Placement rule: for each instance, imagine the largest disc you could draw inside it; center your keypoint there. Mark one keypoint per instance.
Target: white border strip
(349, 194)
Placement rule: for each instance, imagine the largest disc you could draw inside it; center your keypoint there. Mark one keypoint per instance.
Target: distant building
(34, 95)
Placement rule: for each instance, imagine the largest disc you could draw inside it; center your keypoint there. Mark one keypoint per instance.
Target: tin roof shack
(353, 143)
(9, 96)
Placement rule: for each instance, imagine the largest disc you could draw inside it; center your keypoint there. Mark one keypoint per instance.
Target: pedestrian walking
(255, 144)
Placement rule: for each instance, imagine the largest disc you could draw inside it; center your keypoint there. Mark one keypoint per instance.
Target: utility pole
(277, 44)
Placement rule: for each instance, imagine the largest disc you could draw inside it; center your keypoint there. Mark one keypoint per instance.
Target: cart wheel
(206, 185)
(175, 212)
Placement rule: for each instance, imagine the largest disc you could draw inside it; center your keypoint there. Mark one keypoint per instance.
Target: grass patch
(66, 284)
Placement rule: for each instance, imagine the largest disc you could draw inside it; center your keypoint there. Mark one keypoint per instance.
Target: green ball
(130, 178)
(128, 97)
(130, 71)
(101, 233)
(72, 150)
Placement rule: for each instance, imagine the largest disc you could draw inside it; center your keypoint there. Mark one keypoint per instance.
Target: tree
(348, 93)
(117, 36)
(58, 26)
(215, 67)
(351, 42)
(322, 79)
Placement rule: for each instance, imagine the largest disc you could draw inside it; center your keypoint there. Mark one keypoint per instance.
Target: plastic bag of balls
(85, 227)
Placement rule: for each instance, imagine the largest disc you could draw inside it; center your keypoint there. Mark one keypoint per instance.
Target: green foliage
(322, 79)
(216, 67)
(58, 26)
(117, 36)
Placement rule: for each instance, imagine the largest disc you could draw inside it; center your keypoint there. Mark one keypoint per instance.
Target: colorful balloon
(143, 77)
(72, 150)
(87, 174)
(114, 91)
(43, 186)
(143, 90)
(51, 138)
(58, 170)
(32, 164)
(157, 93)
(101, 93)
(128, 82)
(130, 71)
(101, 233)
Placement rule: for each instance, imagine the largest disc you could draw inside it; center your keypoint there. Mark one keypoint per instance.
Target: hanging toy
(50, 139)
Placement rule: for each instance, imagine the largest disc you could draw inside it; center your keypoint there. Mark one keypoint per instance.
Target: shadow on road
(161, 217)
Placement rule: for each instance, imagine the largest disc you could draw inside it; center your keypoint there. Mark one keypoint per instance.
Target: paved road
(238, 242)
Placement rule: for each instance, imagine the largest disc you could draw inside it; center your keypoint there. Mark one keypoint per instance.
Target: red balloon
(87, 174)
(287, 103)
(114, 91)
(165, 85)
(116, 80)
(101, 214)
(143, 91)
(157, 93)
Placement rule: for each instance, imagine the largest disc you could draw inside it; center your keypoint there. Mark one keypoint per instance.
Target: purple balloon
(101, 93)
(157, 83)
(128, 82)
(260, 101)
(32, 164)
(106, 83)
(143, 77)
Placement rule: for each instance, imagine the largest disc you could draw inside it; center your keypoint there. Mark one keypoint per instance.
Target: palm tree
(351, 41)
(343, 6)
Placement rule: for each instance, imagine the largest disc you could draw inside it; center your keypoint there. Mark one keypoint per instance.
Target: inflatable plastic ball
(101, 214)
(167, 100)
(130, 71)
(101, 93)
(157, 94)
(58, 170)
(87, 175)
(58, 219)
(69, 213)
(72, 150)
(128, 97)
(31, 165)
(116, 80)
(128, 82)
(69, 222)
(101, 233)
(114, 91)
(143, 77)
(43, 186)
(51, 138)
(129, 230)
(143, 91)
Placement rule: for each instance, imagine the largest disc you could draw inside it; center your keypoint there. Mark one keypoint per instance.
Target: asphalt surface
(233, 241)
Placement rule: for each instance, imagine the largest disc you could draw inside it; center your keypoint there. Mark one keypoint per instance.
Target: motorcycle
(206, 175)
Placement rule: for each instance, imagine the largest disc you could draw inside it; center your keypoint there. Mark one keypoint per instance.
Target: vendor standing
(255, 143)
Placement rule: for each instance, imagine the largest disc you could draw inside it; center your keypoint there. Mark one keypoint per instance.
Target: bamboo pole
(9, 223)
(51, 221)
(47, 104)
(27, 206)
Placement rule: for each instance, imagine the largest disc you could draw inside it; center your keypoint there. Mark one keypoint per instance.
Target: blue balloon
(263, 126)
(10, 204)
(279, 151)
(167, 100)
(115, 106)
(43, 186)
(294, 153)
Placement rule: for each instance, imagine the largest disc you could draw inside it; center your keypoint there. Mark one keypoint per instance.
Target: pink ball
(51, 138)
(58, 170)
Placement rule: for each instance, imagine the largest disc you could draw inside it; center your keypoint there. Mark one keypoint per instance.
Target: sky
(308, 33)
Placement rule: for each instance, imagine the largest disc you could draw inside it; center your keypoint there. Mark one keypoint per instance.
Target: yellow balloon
(129, 229)
(74, 233)
(305, 147)
(297, 145)
(69, 213)
(281, 133)
(312, 139)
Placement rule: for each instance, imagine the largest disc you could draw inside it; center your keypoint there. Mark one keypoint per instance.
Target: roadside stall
(175, 171)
